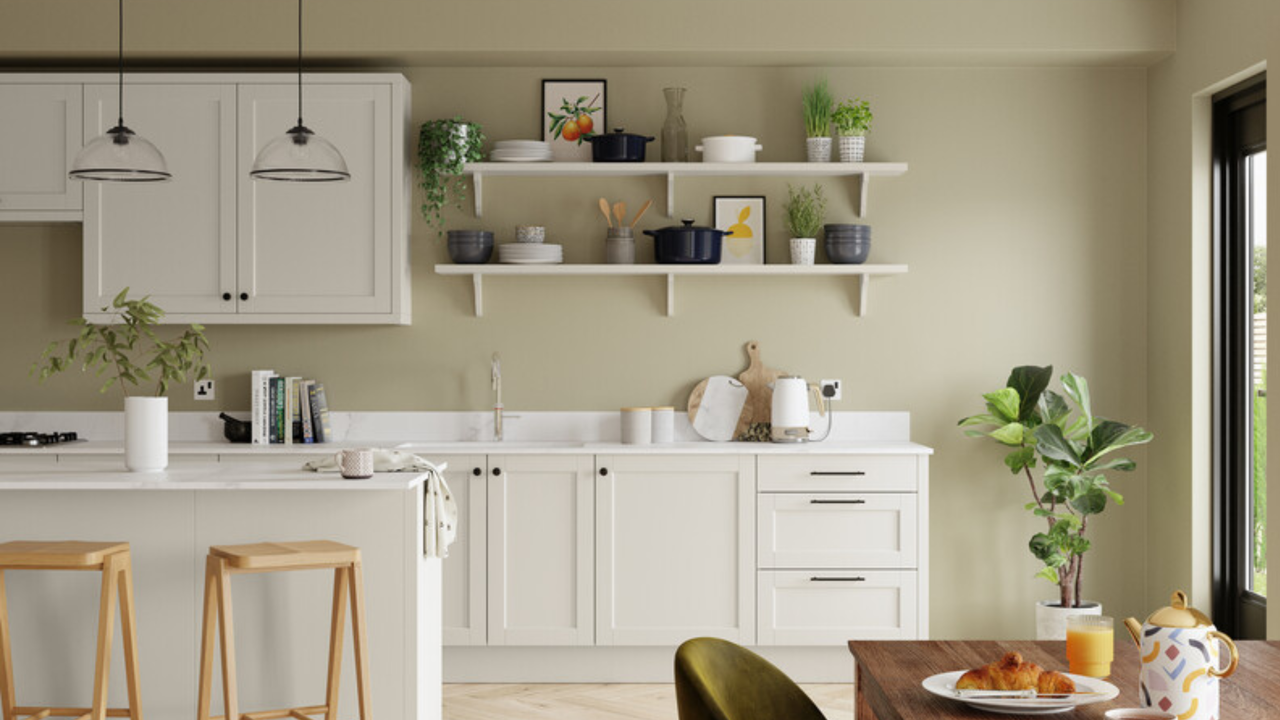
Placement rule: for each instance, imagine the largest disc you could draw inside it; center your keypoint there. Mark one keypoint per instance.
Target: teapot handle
(1231, 648)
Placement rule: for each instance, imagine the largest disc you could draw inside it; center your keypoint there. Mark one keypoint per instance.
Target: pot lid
(686, 225)
(1179, 615)
(619, 132)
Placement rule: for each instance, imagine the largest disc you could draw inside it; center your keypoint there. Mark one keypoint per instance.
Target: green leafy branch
(444, 149)
(129, 349)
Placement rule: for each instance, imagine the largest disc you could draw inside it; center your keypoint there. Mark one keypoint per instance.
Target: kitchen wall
(1219, 44)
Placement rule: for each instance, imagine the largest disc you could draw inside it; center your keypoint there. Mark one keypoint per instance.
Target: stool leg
(208, 637)
(6, 658)
(223, 575)
(106, 626)
(337, 627)
(359, 639)
(129, 630)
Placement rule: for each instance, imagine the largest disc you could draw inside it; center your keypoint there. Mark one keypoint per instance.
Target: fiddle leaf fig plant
(444, 149)
(128, 349)
(1072, 448)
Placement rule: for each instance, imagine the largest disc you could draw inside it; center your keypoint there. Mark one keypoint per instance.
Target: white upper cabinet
(175, 240)
(39, 137)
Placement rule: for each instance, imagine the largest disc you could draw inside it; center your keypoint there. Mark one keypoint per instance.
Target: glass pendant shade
(300, 156)
(119, 155)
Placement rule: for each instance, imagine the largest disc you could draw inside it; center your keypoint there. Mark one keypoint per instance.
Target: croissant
(1011, 673)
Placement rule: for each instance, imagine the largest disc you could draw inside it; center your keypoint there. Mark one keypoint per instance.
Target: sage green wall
(1022, 219)
(1219, 43)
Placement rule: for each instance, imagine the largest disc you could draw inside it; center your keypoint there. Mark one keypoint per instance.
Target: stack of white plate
(521, 151)
(530, 254)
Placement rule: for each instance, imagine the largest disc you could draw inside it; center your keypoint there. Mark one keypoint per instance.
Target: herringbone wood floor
(597, 702)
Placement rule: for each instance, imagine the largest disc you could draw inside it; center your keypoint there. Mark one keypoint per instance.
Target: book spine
(317, 429)
(259, 389)
(304, 394)
(293, 418)
(273, 396)
(266, 406)
(320, 411)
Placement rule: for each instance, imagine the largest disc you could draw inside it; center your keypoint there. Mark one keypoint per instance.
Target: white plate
(533, 144)
(521, 159)
(531, 261)
(944, 685)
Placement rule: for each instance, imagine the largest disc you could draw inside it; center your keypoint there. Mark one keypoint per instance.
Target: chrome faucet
(496, 373)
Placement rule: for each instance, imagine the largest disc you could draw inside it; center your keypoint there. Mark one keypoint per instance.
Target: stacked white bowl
(521, 151)
(530, 253)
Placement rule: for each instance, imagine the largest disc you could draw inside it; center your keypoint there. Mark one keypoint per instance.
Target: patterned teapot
(1179, 650)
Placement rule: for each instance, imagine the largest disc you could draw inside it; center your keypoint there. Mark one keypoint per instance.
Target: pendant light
(300, 155)
(120, 155)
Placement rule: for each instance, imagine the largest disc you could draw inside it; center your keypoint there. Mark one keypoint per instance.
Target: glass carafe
(675, 136)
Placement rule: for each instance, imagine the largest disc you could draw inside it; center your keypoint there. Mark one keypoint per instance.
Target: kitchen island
(170, 519)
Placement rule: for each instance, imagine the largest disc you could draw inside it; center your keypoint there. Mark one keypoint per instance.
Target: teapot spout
(1135, 629)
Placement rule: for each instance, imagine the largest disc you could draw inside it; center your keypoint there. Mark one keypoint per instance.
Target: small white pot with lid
(729, 149)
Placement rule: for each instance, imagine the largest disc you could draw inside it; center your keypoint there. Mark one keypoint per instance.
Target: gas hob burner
(33, 439)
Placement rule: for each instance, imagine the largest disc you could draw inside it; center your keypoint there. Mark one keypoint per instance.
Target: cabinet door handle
(477, 472)
(497, 472)
(604, 472)
(836, 473)
(244, 296)
(226, 296)
(837, 502)
(856, 578)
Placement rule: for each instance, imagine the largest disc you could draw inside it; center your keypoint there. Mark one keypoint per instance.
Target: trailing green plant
(852, 118)
(1071, 446)
(805, 210)
(818, 104)
(129, 349)
(444, 149)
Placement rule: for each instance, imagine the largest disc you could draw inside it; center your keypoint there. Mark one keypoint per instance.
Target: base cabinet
(465, 586)
(823, 607)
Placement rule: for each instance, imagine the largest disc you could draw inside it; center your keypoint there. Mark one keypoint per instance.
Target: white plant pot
(803, 250)
(146, 433)
(819, 149)
(1051, 620)
(852, 148)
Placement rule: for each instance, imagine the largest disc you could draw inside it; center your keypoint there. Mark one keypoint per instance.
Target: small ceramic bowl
(530, 233)
(1139, 714)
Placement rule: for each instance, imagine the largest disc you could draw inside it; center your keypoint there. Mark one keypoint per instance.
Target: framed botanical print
(744, 216)
(573, 111)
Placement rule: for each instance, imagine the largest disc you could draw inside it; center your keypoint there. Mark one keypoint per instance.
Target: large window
(1240, 360)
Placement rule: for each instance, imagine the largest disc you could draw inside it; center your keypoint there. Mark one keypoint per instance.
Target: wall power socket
(831, 389)
(204, 389)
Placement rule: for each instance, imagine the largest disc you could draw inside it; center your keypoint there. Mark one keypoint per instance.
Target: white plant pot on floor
(146, 433)
(1051, 620)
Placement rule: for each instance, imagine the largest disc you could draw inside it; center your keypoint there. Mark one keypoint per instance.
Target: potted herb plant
(444, 149)
(1072, 449)
(818, 103)
(853, 120)
(130, 353)
(805, 211)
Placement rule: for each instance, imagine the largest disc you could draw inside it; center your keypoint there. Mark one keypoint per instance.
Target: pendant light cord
(299, 62)
(120, 84)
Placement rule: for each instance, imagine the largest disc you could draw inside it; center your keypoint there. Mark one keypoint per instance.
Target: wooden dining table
(887, 677)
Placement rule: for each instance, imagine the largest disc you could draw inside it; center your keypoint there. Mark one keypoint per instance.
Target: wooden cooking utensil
(643, 209)
(619, 211)
(604, 209)
(757, 378)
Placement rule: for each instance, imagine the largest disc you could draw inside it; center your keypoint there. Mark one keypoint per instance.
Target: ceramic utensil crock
(1180, 660)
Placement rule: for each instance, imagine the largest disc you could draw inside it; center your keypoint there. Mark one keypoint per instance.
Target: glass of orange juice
(1091, 644)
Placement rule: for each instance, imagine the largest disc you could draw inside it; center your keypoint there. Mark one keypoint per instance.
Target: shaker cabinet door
(464, 582)
(175, 240)
(40, 134)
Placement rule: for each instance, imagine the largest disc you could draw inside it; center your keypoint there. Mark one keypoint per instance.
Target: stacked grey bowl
(847, 244)
(470, 247)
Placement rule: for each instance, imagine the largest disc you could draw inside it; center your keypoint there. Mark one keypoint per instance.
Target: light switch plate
(204, 389)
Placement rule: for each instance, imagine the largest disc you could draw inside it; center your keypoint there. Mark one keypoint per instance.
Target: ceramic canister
(637, 426)
(1180, 650)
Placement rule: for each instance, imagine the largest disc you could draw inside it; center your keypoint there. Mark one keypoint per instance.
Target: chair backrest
(718, 680)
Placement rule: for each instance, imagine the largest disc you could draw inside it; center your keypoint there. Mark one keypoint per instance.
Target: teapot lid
(1179, 615)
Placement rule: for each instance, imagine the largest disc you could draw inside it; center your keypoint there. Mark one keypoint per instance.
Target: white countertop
(205, 476)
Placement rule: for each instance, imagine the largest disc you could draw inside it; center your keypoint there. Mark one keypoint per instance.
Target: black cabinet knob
(497, 472)
(244, 296)
(226, 296)
(476, 471)
(604, 472)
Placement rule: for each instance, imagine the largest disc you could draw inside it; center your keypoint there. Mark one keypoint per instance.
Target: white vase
(1051, 620)
(819, 149)
(852, 147)
(803, 250)
(146, 433)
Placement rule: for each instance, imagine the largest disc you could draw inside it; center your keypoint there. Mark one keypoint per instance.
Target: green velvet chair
(718, 680)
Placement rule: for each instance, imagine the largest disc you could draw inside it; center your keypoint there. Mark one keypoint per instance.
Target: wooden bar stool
(113, 559)
(348, 578)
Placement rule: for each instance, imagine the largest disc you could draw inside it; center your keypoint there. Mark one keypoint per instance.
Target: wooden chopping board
(757, 378)
(715, 405)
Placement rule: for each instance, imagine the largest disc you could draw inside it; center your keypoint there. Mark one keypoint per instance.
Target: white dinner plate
(531, 261)
(944, 685)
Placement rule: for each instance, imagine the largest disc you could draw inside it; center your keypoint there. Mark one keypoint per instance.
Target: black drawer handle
(836, 473)
(477, 472)
(837, 502)
(857, 578)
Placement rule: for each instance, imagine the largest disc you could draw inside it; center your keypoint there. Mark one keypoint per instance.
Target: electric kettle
(790, 411)
(1179, 649)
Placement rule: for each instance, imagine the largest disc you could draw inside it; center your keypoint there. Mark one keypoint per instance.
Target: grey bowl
(471, 251)
(847, 252)
(846, 229)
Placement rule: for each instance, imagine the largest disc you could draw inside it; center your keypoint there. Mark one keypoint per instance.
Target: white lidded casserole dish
(729, 149)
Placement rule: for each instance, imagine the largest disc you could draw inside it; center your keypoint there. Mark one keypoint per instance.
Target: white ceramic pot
(146, 433)
(803, 250)
(1051, 620)
(819, 149)
(852, 148)
(729, 149)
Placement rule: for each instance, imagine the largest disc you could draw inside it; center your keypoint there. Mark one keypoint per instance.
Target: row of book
(288, 410)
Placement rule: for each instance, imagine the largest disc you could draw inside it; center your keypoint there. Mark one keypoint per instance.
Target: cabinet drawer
(829, 530)
(832, 607)
(839, 473)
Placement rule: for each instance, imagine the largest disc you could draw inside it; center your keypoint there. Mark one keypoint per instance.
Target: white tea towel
(383, 461)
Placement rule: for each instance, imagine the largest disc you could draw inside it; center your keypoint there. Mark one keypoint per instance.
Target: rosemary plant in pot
(132, 356)
(818, 104)
(444, 149)
(853, 120)
(805, 210)
(1072, 450)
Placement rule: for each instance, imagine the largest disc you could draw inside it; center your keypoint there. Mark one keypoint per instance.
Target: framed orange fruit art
(573, 112)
